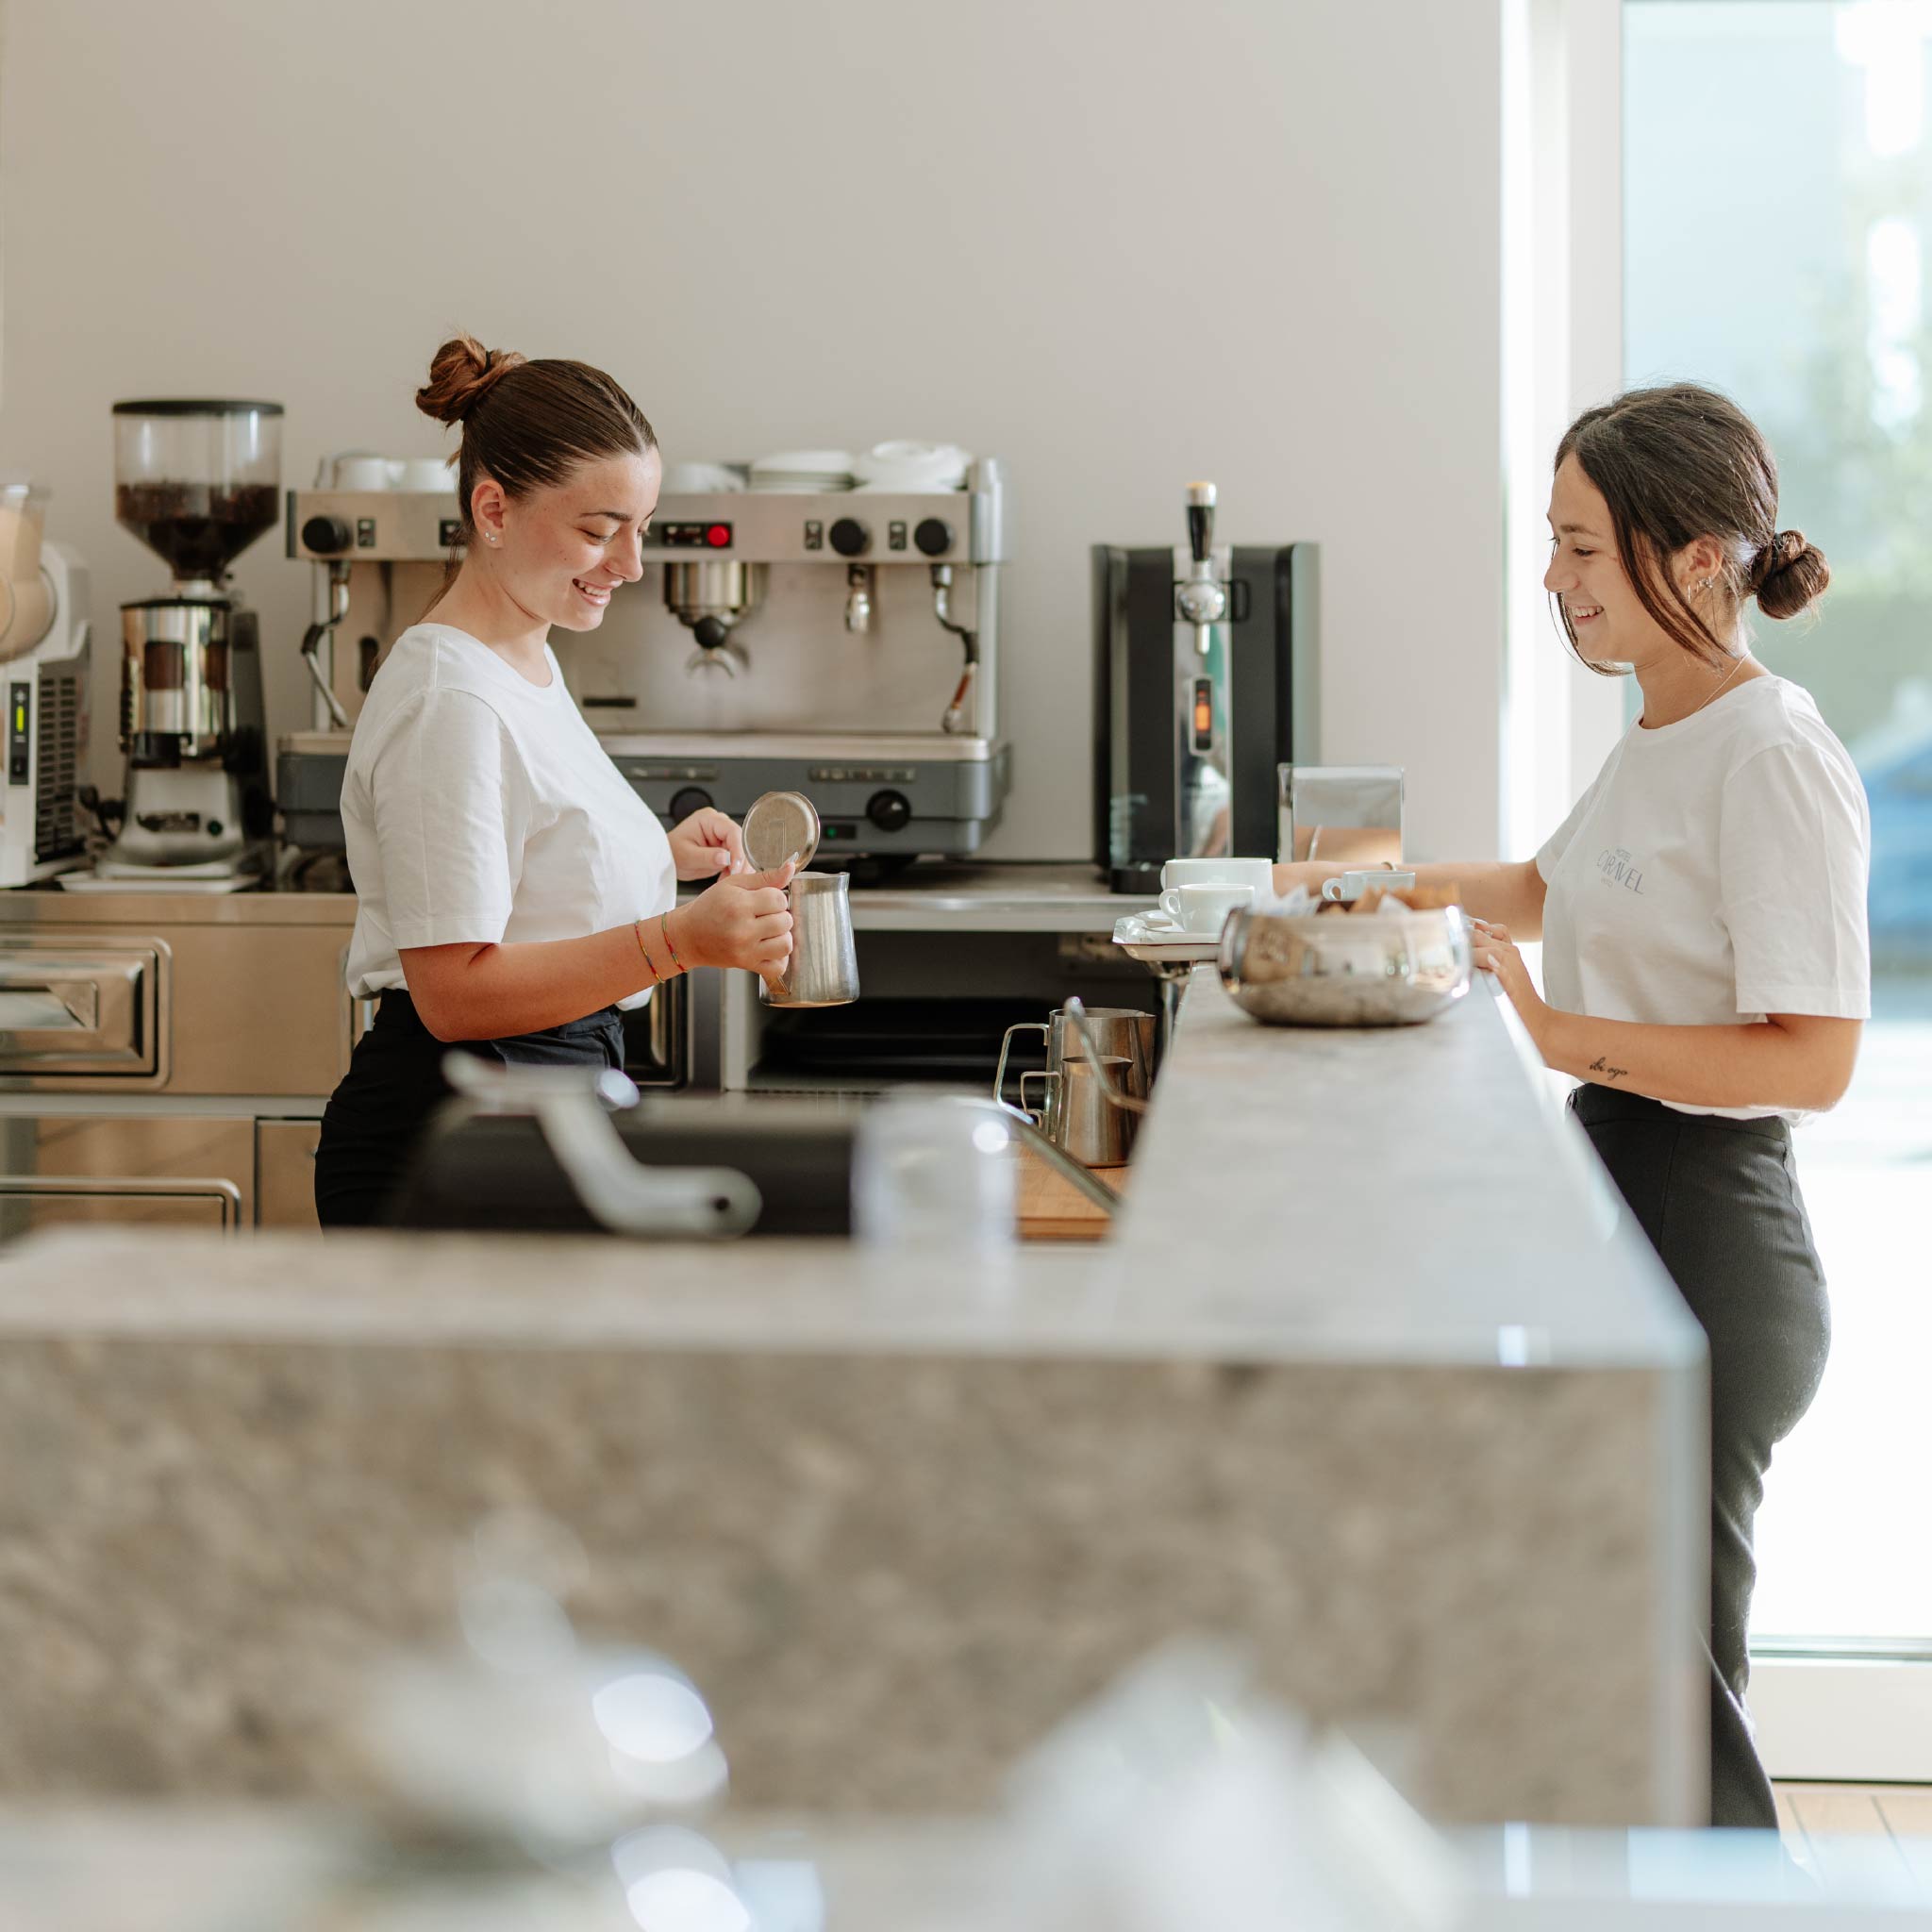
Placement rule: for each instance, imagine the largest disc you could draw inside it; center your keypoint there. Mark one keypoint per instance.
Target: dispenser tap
(1200, 598)
(858, 598)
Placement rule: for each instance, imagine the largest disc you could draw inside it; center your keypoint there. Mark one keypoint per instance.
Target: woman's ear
(486, 506)
(1700, 562)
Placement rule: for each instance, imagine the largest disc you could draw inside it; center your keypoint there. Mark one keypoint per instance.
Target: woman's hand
(744, 921)
(706, 846)
(1494, 952)
(1305, 872)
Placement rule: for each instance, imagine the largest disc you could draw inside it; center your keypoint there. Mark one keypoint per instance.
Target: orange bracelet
(637, 925)
(670, 945)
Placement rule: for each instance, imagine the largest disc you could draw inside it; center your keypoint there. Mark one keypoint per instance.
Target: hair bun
(461, 373)
(1790, 574)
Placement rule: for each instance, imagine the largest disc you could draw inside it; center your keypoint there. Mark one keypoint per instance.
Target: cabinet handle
(105, 1187)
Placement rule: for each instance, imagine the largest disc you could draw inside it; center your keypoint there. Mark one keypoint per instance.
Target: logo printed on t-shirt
(1614, 864)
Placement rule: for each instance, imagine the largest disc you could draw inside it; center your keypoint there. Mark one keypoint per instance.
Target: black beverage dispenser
(1206, 682)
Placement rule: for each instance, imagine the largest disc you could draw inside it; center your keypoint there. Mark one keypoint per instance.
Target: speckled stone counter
(1368, 1380)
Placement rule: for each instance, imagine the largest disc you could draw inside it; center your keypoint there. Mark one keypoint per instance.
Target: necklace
(1743, 658)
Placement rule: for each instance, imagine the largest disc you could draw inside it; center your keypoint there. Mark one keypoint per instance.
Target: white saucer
(1160, 941)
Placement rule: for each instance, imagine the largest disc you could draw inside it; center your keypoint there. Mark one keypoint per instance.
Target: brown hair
(1677, 463)
(527, 424)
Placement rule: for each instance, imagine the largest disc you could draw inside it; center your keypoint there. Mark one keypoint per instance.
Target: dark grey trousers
(1719, 1202)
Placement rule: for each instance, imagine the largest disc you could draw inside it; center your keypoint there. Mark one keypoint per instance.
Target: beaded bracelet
(670, 945)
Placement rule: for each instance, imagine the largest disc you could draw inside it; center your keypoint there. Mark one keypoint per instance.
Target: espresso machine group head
(842, 643)
(708, 596)
(197, 480)
(1205, 681)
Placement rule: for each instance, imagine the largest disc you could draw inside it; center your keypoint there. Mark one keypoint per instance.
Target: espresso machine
(1206, 664)
(44, 655)
(840, 642)
(197, 481)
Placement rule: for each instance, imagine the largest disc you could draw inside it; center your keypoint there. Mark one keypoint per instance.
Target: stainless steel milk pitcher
(823, 970)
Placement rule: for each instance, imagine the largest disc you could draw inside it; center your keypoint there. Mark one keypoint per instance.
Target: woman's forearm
(1506, 893)
(495, 991)
(1804, 1064)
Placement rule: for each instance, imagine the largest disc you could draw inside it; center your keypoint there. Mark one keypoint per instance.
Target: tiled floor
(1861, 1828)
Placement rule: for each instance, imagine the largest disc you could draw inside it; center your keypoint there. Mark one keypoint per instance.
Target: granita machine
(197, 481)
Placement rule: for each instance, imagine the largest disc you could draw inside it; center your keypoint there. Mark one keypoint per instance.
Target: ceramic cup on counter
(1258, 873)
(1204, 908)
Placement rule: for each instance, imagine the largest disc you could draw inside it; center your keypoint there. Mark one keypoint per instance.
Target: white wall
(1119, 243)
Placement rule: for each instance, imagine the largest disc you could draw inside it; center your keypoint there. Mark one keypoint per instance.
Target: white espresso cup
(427, 472)
(1204, 908)
(1257, 873)
(358, 470)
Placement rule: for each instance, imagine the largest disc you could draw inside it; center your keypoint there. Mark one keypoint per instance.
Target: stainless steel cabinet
(178, 1171)
(83, 1006)
(285, 1173)
(164, 1059)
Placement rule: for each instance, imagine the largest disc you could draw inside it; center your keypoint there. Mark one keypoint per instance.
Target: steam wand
(955, 721)
(312, 636)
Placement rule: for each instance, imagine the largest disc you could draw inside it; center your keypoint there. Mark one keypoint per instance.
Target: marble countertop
(1404, 1195)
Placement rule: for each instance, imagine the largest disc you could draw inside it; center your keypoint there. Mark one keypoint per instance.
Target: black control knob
(711, 633)
(325, 536)
(934, 536)
(891, 811)
(690, 799)
(849, 537)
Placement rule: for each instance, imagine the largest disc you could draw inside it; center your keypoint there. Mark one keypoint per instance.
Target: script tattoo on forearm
(1602, 1066)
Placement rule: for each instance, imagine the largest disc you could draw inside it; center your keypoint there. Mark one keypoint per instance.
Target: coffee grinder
(1206, 668)
(197, 481)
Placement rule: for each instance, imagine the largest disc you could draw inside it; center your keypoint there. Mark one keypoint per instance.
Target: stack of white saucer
(702, 479)
(361, 469)
(908, 467)
(810, 469)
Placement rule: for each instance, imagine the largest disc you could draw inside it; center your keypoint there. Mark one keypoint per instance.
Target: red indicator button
(717, 536)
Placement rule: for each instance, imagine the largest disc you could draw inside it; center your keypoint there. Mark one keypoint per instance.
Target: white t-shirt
(480, 807)
(1713, 874)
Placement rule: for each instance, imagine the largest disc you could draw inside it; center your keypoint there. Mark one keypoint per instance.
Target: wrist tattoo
(1600, 1065)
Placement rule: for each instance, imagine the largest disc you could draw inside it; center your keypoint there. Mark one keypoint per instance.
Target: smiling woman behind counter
(513, 891)
(1703, 917)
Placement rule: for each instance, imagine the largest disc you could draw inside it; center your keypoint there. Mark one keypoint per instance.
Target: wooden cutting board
(1051, 1210)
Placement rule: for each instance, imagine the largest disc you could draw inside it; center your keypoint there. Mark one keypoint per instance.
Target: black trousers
(395, 1083)
(1719, 1202)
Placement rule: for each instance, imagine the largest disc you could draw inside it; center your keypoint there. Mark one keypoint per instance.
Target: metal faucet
(1200, 597)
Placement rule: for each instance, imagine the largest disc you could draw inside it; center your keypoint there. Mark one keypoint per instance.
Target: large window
(1778, 245)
